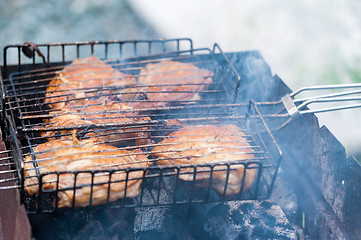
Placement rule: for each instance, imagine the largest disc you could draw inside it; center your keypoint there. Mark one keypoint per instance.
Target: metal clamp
(290, 106)
(29, 50)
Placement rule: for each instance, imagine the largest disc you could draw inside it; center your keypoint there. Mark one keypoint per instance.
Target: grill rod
(7, 177)
(41, 74)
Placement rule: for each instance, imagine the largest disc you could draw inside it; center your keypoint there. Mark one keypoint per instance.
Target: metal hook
(29, 50)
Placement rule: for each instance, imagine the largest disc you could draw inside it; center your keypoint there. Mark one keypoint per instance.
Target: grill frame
(251, 115)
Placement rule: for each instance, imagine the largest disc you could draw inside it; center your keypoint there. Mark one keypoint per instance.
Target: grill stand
(332, 182)
(324, 180)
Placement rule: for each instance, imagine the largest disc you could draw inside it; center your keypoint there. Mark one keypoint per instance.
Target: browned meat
(209, 144)
(167, 81)
(106, 114)
(85, 78)
(73, 155)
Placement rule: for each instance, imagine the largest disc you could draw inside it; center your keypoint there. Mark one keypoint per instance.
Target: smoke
(304, 42)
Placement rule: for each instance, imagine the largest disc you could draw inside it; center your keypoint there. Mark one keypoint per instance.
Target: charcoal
(165, 222)
(117, 222)
(158, 190)
(115, 237)
(118, 226)
(160, 223)
(62, 226)
(93, 230)
(109, 216)
(240, 220)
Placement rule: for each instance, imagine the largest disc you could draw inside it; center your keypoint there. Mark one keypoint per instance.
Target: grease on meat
(105, 114)
(84, 79)
(74, 155)
(209, 144)
(166, 82)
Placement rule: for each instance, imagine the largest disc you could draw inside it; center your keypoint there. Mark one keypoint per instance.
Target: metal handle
(234, 70)
(325, 87)
(321, 100)
(295, 110)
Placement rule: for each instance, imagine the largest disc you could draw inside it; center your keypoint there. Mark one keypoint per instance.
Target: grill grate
(27, 117)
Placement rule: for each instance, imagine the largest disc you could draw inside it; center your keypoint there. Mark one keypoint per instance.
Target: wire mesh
(107, 126)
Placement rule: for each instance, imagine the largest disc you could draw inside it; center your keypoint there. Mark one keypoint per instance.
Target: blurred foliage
(341, 71)
(354, 71)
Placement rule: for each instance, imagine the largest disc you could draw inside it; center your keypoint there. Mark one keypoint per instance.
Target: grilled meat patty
(209, 144)
(160, 84)
(102, 119)
(72, 155)
(85, 78)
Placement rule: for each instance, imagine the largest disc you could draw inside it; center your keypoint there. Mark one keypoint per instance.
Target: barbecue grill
(25, 113)
(267, 121)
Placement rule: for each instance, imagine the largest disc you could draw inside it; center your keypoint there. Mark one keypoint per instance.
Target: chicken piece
(109, 115)
(67, 157)
(205, 145)
(85, 78)
(160, 84)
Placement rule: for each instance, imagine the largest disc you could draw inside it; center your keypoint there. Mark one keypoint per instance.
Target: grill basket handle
(296, 108)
